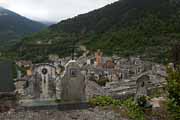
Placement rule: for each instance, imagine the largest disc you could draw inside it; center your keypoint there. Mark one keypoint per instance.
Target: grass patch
(127, 108)
(58, 101)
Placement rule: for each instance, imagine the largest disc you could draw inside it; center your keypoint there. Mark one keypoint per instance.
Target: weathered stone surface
(142, 85)
(73, 83)
(88, 114)
(93, 89)
(42, 84)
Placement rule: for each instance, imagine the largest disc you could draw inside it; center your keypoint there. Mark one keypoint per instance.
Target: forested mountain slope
(128, 27)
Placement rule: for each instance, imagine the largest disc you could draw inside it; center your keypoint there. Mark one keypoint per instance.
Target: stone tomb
(73, 83)
(142, 86)
(6, 77)
(42, 84)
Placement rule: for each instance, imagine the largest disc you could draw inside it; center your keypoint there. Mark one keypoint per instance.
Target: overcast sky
(52, 10)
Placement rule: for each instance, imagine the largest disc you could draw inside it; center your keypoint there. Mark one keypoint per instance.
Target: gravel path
(88, 114)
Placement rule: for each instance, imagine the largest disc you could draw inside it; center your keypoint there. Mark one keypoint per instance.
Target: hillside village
(115, 76)
(118, 62)
(93, 75)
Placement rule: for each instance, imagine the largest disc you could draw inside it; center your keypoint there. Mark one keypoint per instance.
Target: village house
(24, 63)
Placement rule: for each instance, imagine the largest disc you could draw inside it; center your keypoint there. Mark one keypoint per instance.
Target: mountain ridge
(14, 26)
(128, 27)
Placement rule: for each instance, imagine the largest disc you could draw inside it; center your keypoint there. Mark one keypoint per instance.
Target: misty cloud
(53, 10)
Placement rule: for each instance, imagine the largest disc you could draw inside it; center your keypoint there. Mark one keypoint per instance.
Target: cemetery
(84, 83)
(79, 80)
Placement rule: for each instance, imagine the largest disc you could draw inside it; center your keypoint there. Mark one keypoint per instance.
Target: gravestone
(43, 82)
(6, 77)
(73, 83)
(142, 85)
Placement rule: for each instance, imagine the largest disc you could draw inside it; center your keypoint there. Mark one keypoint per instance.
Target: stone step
(132, 83)
(120, 83)
(130, 91)
(122, 89)
(59, 106)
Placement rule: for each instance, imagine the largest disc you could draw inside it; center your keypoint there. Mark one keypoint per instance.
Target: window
(73, 72)
(142, 85)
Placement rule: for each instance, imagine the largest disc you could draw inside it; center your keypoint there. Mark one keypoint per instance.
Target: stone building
(23, 63)
(98, 56)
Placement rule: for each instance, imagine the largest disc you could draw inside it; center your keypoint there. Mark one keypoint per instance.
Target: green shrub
(58, 101)
(102, 82)
(133, 110)
(174, 109)
(173, 87)
(142, 101)
(101, 101)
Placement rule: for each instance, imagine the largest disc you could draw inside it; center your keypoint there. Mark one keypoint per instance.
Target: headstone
(6, 77)
(142, 84)
(73, 83)
(43, 82)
